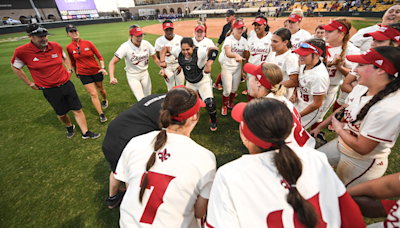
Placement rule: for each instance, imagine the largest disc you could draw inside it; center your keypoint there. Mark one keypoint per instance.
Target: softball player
(285, 59)
(298, 35)
(277, 184)
(232, 53)
(259, 46)
(196, 64)
(371, 118)
(169, 175)
(200, 40)
(392, 15)
(337, 35)
(173, 74)
(136, 52)
(266, 83)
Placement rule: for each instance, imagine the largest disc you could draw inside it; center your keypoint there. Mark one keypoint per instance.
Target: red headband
(307, 48)
(257, 72)
(333, 25)
(237, 114)
(167, 25)
(136, 31)
(385, 33)
(294, 18)
(373, 57)
(260, 21)
(238, 24)
(192, 111)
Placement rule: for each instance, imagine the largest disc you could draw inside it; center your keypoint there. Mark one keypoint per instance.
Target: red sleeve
(71, 57)
(388, 204)
(96, 52)
(350, 212)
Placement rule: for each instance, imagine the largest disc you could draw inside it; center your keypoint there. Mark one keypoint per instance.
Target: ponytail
(346, 23)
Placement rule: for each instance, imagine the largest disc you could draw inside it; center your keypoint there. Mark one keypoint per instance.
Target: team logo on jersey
(280, 64)
(73, 52)
(380, 163)
(86, 49)
(163, 155)
(35, 59)
(297, 39)
(351, 100)
(188, 67)
(379, 62)
(304, 80)
(54, 56)
(265, 43)
(145, 49)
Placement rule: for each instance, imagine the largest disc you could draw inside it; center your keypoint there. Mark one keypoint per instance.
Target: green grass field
(52, 181)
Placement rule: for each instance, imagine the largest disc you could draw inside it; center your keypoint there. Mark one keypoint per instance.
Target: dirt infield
(214, 26)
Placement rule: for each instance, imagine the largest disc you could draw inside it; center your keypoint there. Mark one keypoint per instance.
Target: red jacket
(82, 58)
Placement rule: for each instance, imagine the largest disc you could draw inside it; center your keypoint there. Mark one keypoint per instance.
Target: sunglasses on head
(39, 30)
(309, 46)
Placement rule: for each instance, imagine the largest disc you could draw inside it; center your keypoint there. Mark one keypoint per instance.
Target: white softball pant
(352, 171)
(204, 86)
(140, 84)
(231, 77)
(329, 100)
(174, 79)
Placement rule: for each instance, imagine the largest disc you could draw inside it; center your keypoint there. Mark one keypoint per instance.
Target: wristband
(32, 84)
(103, 67)
(70, 70)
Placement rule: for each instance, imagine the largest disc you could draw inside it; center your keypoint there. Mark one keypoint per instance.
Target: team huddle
(293, 79)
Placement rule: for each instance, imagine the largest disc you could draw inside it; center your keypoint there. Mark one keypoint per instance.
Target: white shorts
(352, 171)
(174, 80)
(311, 118)
(204, 86)
(231, 78)
(329, 100)
(140, 84)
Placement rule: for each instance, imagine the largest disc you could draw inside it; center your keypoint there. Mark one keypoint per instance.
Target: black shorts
(63, 98)
(112, 158)
(87, 79)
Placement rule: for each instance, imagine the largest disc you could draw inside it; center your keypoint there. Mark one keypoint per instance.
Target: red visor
(385, 33)
(260, 21)
(199, 27)
(136, 31)
(192, 111)
(373, 57)
(167, 25)
(257, 72)
(237, 114)
(335, 25)
(306, 49)
(238, 24)
(294, 18)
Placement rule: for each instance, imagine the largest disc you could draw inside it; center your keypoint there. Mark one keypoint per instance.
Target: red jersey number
(160, 183)
(332, 73)
(300, 134)
(305, 97)
(274, 219)
(263, 58)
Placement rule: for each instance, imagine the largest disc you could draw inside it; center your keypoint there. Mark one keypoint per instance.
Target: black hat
(37, 30)
(70, 27)
(230, 13)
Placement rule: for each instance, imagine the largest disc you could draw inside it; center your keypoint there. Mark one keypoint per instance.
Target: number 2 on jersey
(160, 183)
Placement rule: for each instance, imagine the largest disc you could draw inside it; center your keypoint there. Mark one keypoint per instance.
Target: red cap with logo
(167, 25)
(199, 27)
(260, 21)
(307, 48)
(335, 25)
(294, 18)
(136, 31)
(238, 24)
(385, 33)
(373, 57)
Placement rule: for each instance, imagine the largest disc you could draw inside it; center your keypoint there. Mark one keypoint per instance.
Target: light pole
(36, 11)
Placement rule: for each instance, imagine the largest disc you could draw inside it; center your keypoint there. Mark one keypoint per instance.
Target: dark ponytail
(320, 43)
(271, 121)
(176, 101)
(392, 54)
(284, 34)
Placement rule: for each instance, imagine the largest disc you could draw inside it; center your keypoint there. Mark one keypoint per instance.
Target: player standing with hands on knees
(169, 175)
(277, 184)
(370, 125)
(82, 52)
(196, 65)
(233, 51)
(136, 52)
(45, 61)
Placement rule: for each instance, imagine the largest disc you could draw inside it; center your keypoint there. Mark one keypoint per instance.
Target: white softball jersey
(335, 77)
(237, 46)
(136, 58)
(248, 192)
(259, 48)
(311, 82)
(364, 43)
(182, 172)
(251, 34)
(393, 218)
(288, 62)
(162, 41)
(381, 124)
(204, 43)
(299, 37)
(299, 135)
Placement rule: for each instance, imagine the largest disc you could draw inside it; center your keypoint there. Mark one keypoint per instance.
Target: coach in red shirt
(45, 60)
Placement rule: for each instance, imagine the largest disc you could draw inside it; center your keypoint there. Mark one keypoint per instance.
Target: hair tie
(286, 184)
(163, 129)
(169, 110)
(281, 142)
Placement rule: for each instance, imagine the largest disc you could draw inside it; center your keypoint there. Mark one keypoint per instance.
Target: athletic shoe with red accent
(218, 87)
(330, 127)
(224, 110)
(244, 92)
(213, 126)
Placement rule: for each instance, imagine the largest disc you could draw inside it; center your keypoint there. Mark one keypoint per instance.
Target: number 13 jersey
(182, 172)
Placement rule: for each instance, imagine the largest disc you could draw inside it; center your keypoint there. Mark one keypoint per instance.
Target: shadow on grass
(74, 222)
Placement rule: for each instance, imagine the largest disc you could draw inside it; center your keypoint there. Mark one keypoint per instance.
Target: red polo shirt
(84, 60)
(46, 67)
